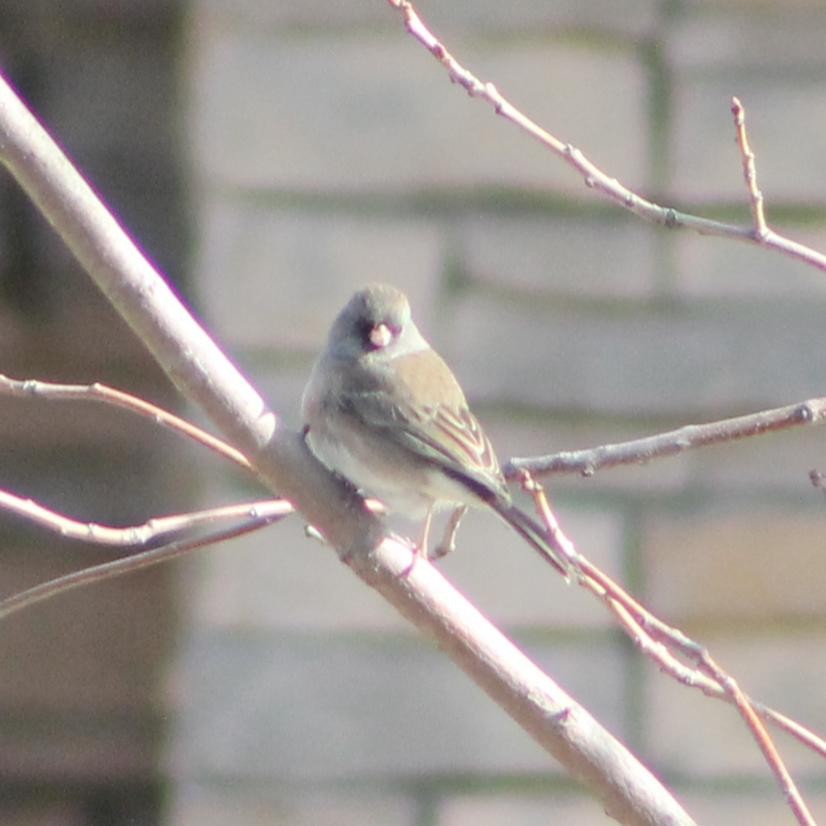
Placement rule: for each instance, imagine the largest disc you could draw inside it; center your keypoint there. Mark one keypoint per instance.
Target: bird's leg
(421, 548)
(448, 542)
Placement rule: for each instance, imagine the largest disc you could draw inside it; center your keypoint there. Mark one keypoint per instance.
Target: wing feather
(451, 438)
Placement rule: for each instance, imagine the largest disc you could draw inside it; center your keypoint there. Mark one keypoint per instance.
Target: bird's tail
(534, 534)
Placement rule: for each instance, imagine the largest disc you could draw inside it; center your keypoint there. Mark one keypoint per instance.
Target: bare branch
(593, 176)
(761, 230)
(138, 535)
(655, 638)
(801, 734)
(109, 395)
(781, 773)
(639, 451)
(134, 562)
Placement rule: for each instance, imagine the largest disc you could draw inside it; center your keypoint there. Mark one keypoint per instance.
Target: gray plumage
(383, 410)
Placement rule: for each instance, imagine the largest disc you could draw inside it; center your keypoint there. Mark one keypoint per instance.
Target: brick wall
(328, 150)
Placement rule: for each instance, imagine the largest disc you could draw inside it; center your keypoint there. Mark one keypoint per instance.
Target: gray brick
(762, 6)
(716, 268)
(275, 279)
(196, 805)
(377, 113)
(570, 256)
(747, 39)
(757, 807)
(282, 384)
(726, 566)
(785, 121)
(686, 362)
(625, 17)
(784, 671)
(262, 13)
(524, 809)
(620, 16)
(293, 708)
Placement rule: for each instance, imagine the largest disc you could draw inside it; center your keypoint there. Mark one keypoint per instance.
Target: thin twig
(137, 535)
(761, 230)
(593, 176)
(22, 388)
(801, 734)
(638, 451)
(764, 742)
(134, 562)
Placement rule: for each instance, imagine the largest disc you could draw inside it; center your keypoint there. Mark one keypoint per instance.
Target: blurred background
(273, 157)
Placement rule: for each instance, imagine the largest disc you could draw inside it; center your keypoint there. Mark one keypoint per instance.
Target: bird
(383, 410)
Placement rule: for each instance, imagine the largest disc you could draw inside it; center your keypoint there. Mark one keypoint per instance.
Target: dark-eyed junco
(383, 410)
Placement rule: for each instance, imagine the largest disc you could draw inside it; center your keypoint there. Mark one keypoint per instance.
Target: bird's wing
(434, 423)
